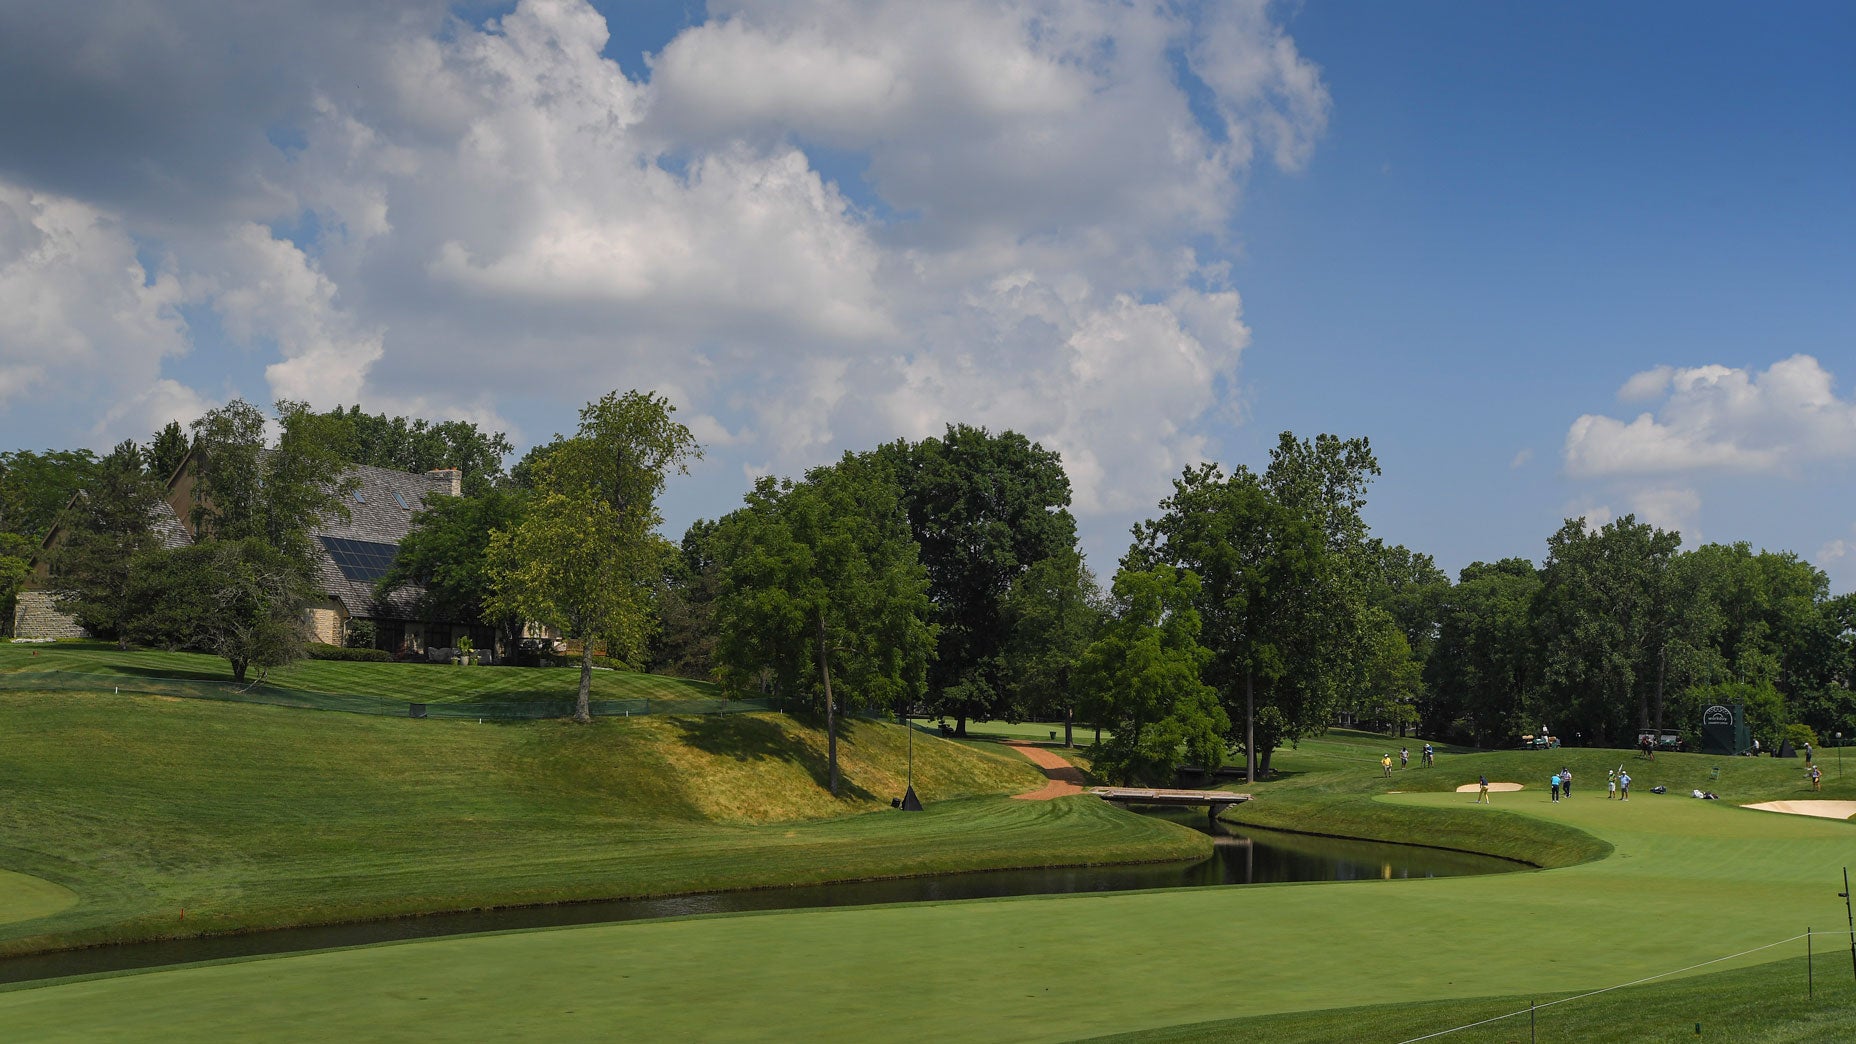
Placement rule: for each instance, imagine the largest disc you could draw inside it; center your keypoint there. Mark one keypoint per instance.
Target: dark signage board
(1724, 731)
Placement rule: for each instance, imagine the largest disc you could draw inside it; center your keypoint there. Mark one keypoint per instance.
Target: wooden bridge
(1216, 801)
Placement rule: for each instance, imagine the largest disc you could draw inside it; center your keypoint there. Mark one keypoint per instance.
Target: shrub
(600, 660)
(361, 634)
(319, 651)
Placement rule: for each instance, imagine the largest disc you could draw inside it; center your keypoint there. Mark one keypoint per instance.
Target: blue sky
(1513, 211)
(1585, 259)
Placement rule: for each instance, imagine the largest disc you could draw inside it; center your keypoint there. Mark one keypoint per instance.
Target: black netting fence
(487, 707)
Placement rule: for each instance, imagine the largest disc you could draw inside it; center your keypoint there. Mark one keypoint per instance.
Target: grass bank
(249, 817)
(1684, 882)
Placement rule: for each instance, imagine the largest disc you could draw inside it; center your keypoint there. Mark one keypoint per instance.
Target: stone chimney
(450, 480)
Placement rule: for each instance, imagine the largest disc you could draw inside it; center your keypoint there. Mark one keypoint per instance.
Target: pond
(1246, 857)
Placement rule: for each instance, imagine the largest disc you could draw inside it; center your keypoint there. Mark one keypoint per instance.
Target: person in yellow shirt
(1385, 763)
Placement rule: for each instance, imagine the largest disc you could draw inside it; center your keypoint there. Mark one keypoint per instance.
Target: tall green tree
(1143, 677)
(823, 595)
(166, 451)
(419, 445)
(1262, 569)
(244, 490)
(586, 556)
(1390, 681)
(36, 486)
(1483, 669)
(15, 569)
(984, 508)
(107, 528)
(685, 641)
(447, 556)
(1601, 616)
(1052, 613)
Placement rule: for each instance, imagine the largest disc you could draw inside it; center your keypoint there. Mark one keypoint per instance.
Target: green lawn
(250, 816)
(25, 898)
(1678, 882)
(1030, 731)
(409, 682)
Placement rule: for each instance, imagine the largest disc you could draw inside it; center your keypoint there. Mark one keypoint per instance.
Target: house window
(360, 497)
(401, 501)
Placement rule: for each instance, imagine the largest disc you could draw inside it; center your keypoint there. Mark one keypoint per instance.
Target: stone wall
(36, 617)
(326, 626)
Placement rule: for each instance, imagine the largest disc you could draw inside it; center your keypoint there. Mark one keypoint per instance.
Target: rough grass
(250, 817)
(411, 682)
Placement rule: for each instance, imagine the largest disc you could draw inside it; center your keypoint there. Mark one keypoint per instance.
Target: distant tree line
(942, 577)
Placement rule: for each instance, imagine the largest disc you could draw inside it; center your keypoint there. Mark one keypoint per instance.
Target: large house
(351, 555)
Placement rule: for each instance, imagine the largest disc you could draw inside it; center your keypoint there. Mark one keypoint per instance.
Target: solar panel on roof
(360, 560)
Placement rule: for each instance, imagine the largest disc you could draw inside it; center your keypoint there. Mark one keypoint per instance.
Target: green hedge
(319, 651)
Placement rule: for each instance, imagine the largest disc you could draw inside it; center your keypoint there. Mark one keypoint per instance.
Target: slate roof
(380, 511)
(168, 526)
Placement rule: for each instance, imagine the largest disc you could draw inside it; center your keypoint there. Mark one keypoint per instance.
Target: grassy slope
(1685, 881)
(412, 682)
(248, 816)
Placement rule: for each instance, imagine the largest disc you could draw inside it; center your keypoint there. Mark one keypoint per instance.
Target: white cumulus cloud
(1719, 418)
(822, 223)
(81, 316)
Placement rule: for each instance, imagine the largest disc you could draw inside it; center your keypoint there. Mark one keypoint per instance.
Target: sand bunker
(1471, 788)
(1821, 809)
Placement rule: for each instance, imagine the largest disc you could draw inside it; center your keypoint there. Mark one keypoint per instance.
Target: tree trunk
(1250, 727)
(960, 725)
(1662, 665)
(583, 711)
(1069, 712)
(831, 718)
(238, 671)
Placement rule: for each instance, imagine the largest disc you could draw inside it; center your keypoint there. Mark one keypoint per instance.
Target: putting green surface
(24, 897)
(1688, 881)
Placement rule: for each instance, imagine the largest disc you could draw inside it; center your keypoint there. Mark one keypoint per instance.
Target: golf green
(1688, 881)
(23, 897)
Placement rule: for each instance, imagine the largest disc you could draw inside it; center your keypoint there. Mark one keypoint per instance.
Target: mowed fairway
(1686, 881)
(26, 898)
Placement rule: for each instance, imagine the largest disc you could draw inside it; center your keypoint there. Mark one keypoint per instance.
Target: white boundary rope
(1619, 986)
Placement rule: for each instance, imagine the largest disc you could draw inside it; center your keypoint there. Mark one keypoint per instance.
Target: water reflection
(1249, 857)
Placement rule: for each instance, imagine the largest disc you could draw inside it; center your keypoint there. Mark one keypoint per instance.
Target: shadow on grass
(747, 738)
(129, 671)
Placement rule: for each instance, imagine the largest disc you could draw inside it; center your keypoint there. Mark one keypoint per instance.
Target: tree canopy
(585, 555)
(108, 528)
(823, 599)
(1144, 681)
(983, 508)
(419, 445)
